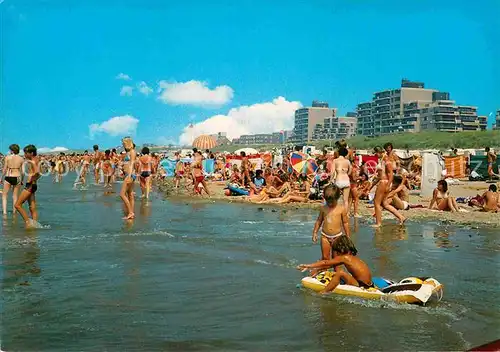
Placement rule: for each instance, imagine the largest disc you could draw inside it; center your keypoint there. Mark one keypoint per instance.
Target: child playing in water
(358, 274)
(28, 193)
(332, 219)
(179, 172)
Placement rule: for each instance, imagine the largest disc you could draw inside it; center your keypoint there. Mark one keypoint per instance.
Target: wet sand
(473, 217)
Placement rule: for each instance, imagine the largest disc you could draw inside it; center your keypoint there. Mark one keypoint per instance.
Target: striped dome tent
(204, 142)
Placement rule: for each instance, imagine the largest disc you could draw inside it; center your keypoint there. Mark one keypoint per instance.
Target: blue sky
(60, 61)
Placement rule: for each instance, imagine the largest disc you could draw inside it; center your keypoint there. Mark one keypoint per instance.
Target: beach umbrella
(310, 167)
(204, 142)
(298, 160)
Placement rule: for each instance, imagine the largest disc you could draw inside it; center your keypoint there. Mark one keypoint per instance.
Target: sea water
(202, 276)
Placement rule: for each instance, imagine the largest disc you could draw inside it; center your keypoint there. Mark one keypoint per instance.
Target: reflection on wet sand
(383, 240)
(20, 261)
(145, 210)
(442, 239)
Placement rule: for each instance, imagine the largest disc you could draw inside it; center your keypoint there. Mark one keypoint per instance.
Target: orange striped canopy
(204, 142)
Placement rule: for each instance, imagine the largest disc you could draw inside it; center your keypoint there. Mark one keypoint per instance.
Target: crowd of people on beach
(337, 184)
(384, 186)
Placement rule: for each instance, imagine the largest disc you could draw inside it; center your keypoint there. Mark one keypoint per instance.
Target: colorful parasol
(310, 167)
(301, 163)
(204, 142)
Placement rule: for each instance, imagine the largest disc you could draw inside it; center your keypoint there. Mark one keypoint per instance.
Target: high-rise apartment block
(414, 108)
(320, 122)
(306, 120)
(497, 121)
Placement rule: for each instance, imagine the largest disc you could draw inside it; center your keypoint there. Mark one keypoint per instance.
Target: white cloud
(123, 76)
(126, 91)
(118, 125)
(144, 88)
(194, 93)
(249, 119)
(52, 150)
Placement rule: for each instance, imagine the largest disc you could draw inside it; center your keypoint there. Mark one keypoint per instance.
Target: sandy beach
(470, 217)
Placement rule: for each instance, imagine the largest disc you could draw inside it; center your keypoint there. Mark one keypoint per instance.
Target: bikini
(132, 175)
(31, 187)
(342, 183)
(331, 238)
(146, 174)
(13, 180)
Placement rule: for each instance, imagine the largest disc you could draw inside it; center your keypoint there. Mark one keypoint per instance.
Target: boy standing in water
(332, 219)
(345, 254)
(28, 193)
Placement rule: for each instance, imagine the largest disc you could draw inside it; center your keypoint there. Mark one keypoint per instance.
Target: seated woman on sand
(236, 176)
(442, 199)
(364, 186)
(399, 196)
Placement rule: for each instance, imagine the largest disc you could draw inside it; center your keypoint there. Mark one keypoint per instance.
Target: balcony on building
(382, 95)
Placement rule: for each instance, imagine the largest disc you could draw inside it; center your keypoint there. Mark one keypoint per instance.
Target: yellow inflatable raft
(412, 290)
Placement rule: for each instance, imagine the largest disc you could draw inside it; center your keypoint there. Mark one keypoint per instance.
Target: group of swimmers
(108, 165)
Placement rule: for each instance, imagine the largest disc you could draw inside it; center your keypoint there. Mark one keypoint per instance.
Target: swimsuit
(145, 174)
(31, 187)
(133, 176)
(342, 184)
(406, 205)
(13, 180)
(330, 238)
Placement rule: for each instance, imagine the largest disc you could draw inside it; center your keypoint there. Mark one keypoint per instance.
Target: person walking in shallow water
(12, 176)
(127, 191)
(28, 193)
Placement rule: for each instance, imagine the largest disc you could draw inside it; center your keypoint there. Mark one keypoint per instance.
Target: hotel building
(414, 108)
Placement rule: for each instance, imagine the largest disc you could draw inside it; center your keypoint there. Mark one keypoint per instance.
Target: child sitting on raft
(358, 274)
(332, 219)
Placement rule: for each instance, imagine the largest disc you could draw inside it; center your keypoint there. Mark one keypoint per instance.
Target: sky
(78, 73)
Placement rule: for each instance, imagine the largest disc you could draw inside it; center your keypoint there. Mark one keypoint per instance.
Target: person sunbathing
(295, 194)
(442, 198)
(364, 186)
(399, 196)
(489, 201)
(236, 176)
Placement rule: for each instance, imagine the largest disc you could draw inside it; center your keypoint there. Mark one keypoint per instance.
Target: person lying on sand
(300, 194)
(358, 274)
(442, 198)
